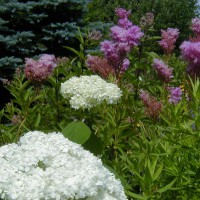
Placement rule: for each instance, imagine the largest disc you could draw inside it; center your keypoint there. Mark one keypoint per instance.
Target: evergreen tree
(29, 28)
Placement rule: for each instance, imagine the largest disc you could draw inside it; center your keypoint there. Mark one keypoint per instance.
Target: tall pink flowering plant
(124, 36)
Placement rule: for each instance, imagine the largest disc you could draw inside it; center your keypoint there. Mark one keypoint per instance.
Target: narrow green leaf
(167, 187)
(165, 119)
(135, 172)
(37, 121)
(80, 37)
(72, 50)
(158, 172)
(52, 81)
(111, 119)
(154, 38)
(153, 55)
(25, 84)
(26, 95)
(137, 196)
(152, 166)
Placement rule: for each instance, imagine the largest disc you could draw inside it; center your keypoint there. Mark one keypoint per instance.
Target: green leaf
(154, 38)
(111, 118)
(27, 93)
(72, 50)
(25, 84)
(152, 166)
(77, 132)
(52, 81)
(158, 172)
(165, 120)
(167, 187)
(94, 145)
(137, 196)
(153, 55)
(37, 121)
(80, 37)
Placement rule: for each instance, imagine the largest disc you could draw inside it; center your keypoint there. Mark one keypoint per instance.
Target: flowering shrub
(39, 71)
(48, 166)
(89, 91)
(124, 37)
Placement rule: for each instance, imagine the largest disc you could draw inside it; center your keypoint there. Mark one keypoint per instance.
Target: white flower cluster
(49, 166)
(89, 91)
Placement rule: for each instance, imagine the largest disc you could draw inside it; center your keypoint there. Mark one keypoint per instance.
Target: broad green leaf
(94, 145)
(77, 132)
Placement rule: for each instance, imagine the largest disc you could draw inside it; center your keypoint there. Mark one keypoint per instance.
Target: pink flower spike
(169, 38)
(152, 106)
(39, 71)
(196, 26)
(175, 94)
(125, 23)
(163, 71)
(191, 52)
(125, 65)
(122, 13)
(100, 66)
(48, 60)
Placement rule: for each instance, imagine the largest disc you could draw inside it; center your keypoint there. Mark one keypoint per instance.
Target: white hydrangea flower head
(49, 166)
(89, 91)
